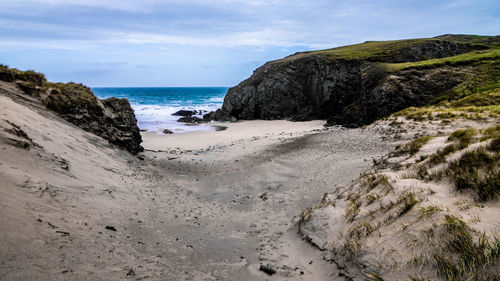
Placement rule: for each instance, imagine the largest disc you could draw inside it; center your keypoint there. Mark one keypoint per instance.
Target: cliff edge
(112, 119)
(358, 84)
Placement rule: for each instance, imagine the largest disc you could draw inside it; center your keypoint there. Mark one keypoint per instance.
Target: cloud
(232, 36)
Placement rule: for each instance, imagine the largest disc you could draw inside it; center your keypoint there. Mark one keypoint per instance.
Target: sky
(154, 43)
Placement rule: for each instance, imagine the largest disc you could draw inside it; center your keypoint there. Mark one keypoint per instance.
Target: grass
(375, 277)
(387, 51)
(408, 200)
(70, 97)
(477, 97)
(440, 155)
(11, 74)
(306, 214)
(418, 278)
(414, 146)
(464, 137)
(494, 145)
(372, 50)
(352, 210)
(370, 199)
(429, 211)
(476, 171)
(373, 181)
(491, 132)
(477, 39)
(467, 58)
(462, 258)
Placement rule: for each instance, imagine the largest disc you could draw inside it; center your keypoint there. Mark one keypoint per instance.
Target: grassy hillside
(381, 50)
(478, 97)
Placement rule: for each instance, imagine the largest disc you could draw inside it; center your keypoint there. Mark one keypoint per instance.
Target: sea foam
(154, 107)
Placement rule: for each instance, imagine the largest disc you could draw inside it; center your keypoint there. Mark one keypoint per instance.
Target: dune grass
(462, 258)
(414, 146)
(464, 137)
(477, 171)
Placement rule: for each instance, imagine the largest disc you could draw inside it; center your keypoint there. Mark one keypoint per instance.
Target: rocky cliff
(112, 119)
(355, 85)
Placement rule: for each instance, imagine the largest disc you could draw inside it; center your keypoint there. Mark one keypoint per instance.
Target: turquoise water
(154, 106)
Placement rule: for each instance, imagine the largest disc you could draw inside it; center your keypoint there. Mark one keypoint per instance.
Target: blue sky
(209, 42)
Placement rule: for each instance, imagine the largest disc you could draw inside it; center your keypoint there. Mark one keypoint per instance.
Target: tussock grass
(370, 199)
(414, 146)
(491, 132)
(429, 211)
(464, 137)
(477, 171)
(352, 210)
(494, 145)
(373, 181)
(440, 155)
(462, 258)
(408, 200)
(418, 278)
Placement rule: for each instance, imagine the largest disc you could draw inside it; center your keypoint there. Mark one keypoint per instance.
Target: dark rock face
(349, 92)
(379, 97)
(218, 115)
(312, 87)
(190, 119)
(185, 113)
(435, 49)
(121, 125)
(112, 119)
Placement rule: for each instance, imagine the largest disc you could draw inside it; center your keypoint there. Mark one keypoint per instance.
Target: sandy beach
(207, 205)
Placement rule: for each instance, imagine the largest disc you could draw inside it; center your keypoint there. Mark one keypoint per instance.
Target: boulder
(190, 119)
(185, 113)
(113, 119)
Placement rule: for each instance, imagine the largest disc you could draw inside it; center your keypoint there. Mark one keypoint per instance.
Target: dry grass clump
(427, 212)
(494, 145)
(352, 210)
(306, 214)
(477, 171)
(373, 181)
(491, 132)
(413, 147)
(460, 257)
(464, 137)
(408, 200)
(440, 155)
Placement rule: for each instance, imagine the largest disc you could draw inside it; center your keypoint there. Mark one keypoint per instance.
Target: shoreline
(273, 130)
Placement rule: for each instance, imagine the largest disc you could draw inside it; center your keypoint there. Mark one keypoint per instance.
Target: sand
(201, 205)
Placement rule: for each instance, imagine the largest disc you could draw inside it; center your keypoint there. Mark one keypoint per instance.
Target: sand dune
(200, 206)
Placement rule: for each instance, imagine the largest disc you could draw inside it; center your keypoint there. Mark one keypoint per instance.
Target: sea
(154, 107)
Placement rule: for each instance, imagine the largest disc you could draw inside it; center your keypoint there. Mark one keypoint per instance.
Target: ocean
(153, 107)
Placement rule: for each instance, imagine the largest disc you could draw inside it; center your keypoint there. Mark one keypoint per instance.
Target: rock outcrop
(351, 86)
(112, 119)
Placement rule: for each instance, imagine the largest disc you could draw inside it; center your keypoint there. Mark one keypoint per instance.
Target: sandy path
(246, 203)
